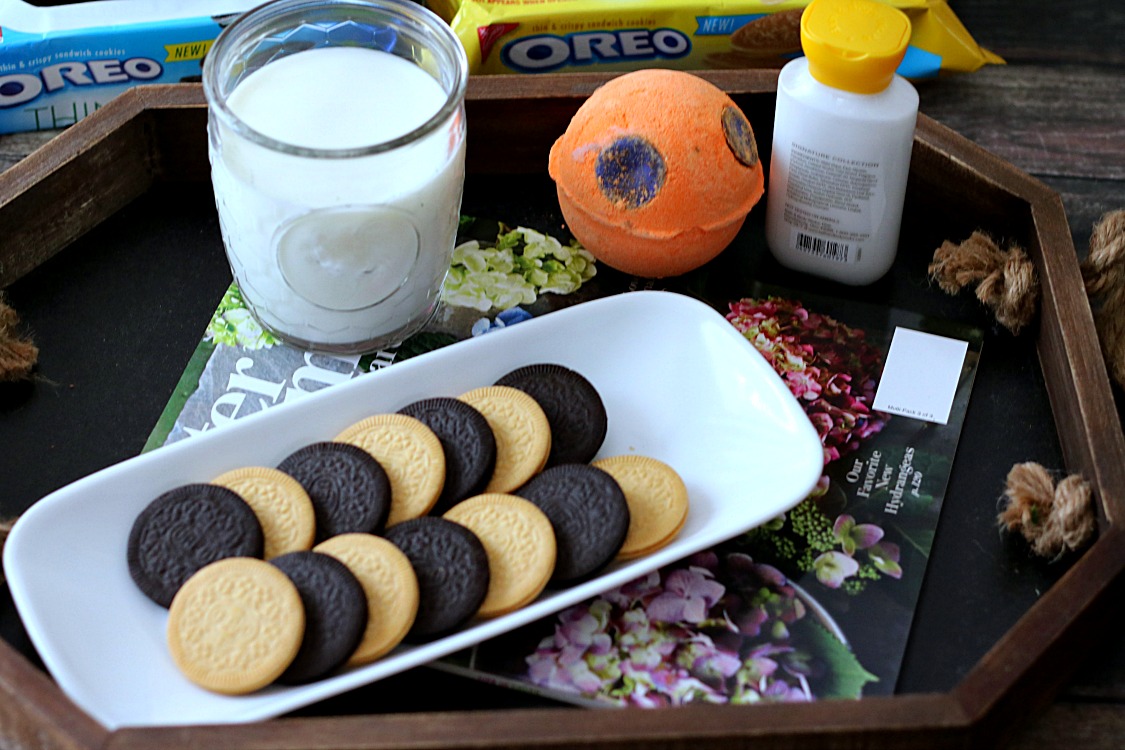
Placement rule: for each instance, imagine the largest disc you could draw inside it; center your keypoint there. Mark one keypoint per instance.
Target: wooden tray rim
(1022, 671)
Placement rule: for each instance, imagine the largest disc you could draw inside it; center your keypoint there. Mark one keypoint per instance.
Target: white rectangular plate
(679, 383)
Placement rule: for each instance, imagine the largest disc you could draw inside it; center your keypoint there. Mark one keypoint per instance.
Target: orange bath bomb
(656, 172)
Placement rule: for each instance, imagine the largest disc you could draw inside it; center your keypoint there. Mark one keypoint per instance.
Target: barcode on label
(824, 248)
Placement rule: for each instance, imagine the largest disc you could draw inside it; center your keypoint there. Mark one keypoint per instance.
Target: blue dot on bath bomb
(630, 171)
(740, 136)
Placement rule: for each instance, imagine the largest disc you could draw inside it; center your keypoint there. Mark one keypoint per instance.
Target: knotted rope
(1007, 282)
(17, 355)
(1103, 272)
(1006, 279)
(1053, 519)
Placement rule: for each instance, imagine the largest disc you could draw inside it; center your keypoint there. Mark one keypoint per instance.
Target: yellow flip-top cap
(854, 45)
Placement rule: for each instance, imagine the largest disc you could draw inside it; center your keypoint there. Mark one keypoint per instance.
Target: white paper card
(920, 376)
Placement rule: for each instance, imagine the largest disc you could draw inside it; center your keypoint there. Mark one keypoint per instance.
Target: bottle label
(829, 203)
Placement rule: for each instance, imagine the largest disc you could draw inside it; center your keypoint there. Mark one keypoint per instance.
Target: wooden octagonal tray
(60, 197)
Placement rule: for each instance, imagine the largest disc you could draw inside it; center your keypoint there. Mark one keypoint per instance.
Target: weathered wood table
(1056, 111)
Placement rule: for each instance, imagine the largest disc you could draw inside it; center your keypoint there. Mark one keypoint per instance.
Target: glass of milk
(337, 148)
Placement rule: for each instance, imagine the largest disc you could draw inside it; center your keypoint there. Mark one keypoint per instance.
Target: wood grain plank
(1073, 725)
(1047, 31)
(79, 179)
(15, 147)
(930, 722)
(35, 714)
(1059, 121)
(1034, 659)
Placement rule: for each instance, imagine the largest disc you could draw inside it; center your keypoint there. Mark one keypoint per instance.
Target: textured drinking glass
(337, 148)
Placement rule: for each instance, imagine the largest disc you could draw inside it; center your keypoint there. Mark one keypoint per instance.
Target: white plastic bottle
(843, 133)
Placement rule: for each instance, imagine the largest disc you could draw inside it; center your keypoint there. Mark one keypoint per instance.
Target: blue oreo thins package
(59, 64)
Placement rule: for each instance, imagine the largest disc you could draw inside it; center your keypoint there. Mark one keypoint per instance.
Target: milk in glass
(335, 250)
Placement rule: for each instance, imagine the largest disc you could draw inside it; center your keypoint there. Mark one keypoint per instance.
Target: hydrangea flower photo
(715, 628)
(233, 324)
(515, 270)
(832, 370)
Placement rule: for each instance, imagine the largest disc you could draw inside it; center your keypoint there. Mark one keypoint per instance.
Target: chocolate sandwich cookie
(468, 442)
(452, 569)
(588, 512)
(573, 406)
(335, 614)
(185, 529)
(348, 488)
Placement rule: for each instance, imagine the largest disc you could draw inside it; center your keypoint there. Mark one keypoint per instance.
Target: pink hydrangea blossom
(678, 636)
(885, 556)
(688, 596)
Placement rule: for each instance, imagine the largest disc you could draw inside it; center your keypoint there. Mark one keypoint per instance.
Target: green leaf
(845, 676)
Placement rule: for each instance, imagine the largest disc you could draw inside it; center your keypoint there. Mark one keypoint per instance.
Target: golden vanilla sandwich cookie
(657, 500)
(522, 432)
(390, 585)
(412, 456)
(281, 504)
(520, 545)
(236, 625)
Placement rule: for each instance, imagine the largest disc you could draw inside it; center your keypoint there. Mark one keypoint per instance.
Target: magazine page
(815, 604)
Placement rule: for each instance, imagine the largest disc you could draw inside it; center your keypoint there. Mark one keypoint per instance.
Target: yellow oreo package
(547, 36)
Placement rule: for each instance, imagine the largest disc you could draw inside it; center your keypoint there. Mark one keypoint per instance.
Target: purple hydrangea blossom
(688, 595)
(583, 653)
(678, 636)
